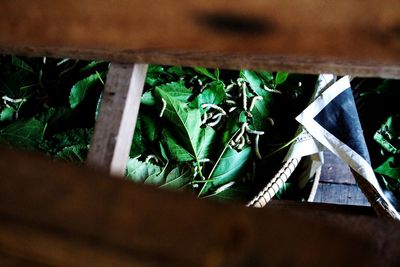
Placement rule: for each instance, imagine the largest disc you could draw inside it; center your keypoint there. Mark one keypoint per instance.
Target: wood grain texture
(334, 170)
(118, 112)
(60, 215)
(309, 36)
(345, 194)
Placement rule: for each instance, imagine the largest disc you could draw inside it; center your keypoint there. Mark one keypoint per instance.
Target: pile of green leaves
(49, 105)
(216, 133)
(220, 134)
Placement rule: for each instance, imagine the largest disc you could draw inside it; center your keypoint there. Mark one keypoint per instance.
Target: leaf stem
(217, 162)
(282, 147)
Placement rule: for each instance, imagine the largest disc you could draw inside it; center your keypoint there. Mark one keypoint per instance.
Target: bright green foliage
(190, 123)
(81, 88)
(23, 133)
(195, 130)
(149, 173)
(141, 171)
(7, 114)
(230, 165)
(192, 141)
(281, 77)
(49, 105)
(178, 178)
(389, 168)
(206, 73)
(262, 107)
(213, 94)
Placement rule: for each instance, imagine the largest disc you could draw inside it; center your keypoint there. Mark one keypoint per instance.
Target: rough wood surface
(118, 112)
(334, 170)
(61, 215)
(345, 194)
(335, 36)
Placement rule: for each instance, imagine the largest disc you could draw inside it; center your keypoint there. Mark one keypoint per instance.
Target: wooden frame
(56, 214)
(118, 112)
(341, 36)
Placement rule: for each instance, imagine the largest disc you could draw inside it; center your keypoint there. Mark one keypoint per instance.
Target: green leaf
(91, 66)
(389, 168)
(213, 94)
(205, 72)
(68, 138)
(216, 73)
(157, 178)
(80, 90)
(255, 82)
(148, 173)
(176, 70)
(21, 64)
(149, 127)
(138, 145)
(268, 76)
(230, 194)
(148, 99)
(182, 153)
(280, 77)
(139, 171)
(230, 166)
(23, 133)
(176, 151)
(179, 177)
(262, 108)
(186, 126)
(7, 114)
(177, 90)
(154, 73)
(75, 153)
(242, 117)
(54, 115)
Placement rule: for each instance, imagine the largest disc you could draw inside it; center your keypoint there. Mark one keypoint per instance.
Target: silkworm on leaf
(241, 144)
(244, 89)
(241, 132)
(256, 149)
(224, 187)
(254, 131)
(214, 123)
(163, 107)
(232, 109)
(229, 87)
(149, 157)
(266, 88)
(214, 107)
(232, 102)
(253, 102)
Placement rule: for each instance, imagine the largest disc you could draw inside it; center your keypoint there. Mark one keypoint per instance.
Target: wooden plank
(340, 194)
(340, 36)
(334, 170)
(322, 209)
(62, 215)
(115, 125)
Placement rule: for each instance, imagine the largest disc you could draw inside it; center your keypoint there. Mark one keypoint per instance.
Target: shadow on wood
(57, 214)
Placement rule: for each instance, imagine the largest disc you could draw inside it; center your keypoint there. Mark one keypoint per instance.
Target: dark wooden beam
(56, 214)
(341, 36)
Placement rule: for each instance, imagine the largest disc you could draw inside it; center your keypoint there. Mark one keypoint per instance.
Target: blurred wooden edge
(340, 37)
(57, 214)
(117, 117)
